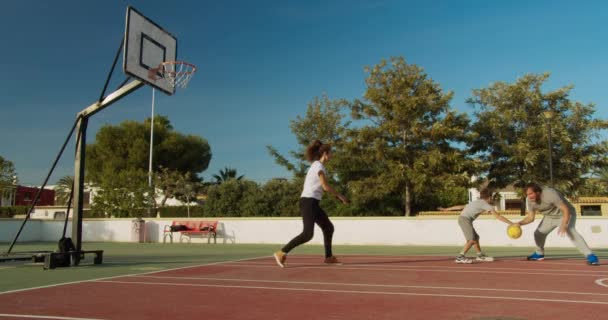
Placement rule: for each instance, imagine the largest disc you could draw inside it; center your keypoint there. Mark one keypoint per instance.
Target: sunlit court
(240, 282)
(303, 160)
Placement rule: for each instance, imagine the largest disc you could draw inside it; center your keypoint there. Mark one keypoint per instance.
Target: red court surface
(363, 287)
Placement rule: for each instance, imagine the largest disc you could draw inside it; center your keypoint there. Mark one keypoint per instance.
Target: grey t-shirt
(550, 200)
(475, 208)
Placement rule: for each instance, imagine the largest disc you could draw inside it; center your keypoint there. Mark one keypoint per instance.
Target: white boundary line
(414, 268)
(126, 275)
(376, 285)
(364, 292)
(474, 266)
(31, 316)
(600, 282)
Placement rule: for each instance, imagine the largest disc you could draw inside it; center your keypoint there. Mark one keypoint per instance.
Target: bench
(188, 229)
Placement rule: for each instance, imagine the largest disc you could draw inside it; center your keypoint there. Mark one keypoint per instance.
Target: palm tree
(63, 190)
(226, 174)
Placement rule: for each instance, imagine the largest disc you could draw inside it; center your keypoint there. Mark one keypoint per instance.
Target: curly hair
(315, 150)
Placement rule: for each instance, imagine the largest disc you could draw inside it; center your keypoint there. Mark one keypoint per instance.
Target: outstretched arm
(501, 218)
(452, 208)
(528, 219)
(330, 189)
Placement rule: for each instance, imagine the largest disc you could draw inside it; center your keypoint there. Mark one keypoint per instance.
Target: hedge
(9, 212)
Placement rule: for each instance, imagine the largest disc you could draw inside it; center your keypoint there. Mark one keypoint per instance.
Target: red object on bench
(189, 229)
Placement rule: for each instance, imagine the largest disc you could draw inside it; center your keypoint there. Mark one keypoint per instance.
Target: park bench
(188, 229)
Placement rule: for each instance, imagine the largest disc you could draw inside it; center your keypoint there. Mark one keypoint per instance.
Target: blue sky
(261, 62)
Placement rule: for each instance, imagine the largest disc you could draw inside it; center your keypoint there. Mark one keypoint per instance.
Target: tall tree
(121, 153)
(8, 179)
(406, 137)
(512, 131)
(324, 121)
(188, 190)
(123, 194)
(127, 146)
(63, 189)
(7, 173)
(174, 184)
(227, 174)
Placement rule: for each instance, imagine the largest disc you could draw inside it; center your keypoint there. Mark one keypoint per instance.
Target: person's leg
(306, 209)
(540, 234)
(466, 225)
(467, 247)
(326, 226)
(477, 244)
(576, 237)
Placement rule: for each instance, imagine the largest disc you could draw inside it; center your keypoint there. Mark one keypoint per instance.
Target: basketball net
(176, 73)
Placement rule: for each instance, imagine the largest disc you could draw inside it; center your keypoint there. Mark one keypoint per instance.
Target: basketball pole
(153, 196)
(79, 163)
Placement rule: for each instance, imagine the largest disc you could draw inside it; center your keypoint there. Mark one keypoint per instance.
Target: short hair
(534, 186)
(486, 193)
(315, 150)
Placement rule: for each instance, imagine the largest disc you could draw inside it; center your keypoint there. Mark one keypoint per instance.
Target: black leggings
(311, 214)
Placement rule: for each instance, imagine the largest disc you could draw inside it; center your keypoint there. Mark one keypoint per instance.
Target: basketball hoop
(176, 73)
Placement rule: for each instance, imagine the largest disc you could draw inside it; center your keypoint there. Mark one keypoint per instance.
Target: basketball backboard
(146, 46)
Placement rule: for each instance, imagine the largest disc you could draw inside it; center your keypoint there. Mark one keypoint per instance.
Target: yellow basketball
(514, 231)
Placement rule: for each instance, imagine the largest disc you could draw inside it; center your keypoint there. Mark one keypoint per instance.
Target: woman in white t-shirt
(314, 185)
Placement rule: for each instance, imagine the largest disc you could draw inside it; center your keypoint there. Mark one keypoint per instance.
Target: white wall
(357, 231)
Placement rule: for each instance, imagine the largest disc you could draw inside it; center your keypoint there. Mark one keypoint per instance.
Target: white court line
(125, 275)
(360, 292)
(474, 266)
(377, 285)
(549, 262)
(31, 316)
(418, 269)
(522, 259)
(601, 282)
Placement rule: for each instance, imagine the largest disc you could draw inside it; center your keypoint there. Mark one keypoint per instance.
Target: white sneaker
(463, 259)
(484, 258)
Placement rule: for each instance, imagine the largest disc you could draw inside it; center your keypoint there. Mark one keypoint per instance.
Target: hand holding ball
(514, 231)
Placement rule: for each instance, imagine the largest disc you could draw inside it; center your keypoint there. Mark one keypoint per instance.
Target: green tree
(188, 191)
(324, 121)
(7, 173)
(167, 181)
(63, 189)
(511, 134)
(126, 147)
(173, 184)
(121, 153)
(406, 137)
(233, 198)
(280, 197)
(226, 174)
(124, 194)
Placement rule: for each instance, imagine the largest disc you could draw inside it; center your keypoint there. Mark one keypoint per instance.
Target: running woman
(315, 183)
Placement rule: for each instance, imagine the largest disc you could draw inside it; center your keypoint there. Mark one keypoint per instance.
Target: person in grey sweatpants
(558, 213)
(470, 213)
